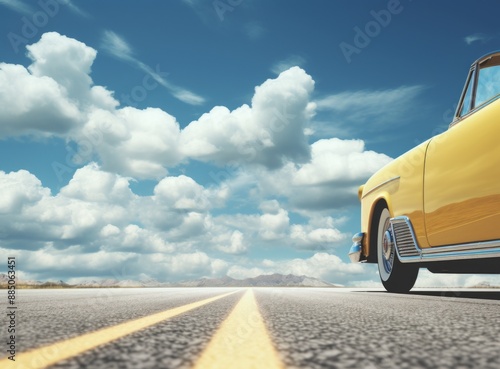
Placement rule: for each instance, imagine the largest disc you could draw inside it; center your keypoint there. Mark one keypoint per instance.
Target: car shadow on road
(485, 295)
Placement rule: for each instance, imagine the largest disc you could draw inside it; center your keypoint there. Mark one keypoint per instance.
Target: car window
(466, 104)
(488, 84)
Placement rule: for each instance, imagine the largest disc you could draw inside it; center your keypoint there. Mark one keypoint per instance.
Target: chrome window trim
(477, 108)
(380, 185)
(473, 72)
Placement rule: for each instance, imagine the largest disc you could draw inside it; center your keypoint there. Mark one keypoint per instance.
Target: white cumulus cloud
(274, 222)
(268, 132)
(34, 105)
(331, 178)
(139, 143)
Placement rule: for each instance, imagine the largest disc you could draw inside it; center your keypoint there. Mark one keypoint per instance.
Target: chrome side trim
(476, 250)
(380, 185)
(409, 251)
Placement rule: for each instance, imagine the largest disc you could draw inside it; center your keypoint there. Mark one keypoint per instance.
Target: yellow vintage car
(438, 205)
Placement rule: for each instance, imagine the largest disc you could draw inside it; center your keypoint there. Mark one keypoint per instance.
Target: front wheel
(395, 276)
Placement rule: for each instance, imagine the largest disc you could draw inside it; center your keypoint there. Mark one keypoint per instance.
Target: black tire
(395, 276)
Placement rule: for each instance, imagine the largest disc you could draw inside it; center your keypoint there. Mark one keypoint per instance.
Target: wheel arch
(380, 204)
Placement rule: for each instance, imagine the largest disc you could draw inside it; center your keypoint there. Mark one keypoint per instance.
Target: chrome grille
(404, 238)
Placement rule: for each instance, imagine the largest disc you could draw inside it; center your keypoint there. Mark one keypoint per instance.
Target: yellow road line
(242, 341)
(51, 354)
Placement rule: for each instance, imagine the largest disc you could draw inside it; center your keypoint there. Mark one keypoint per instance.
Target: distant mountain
(272, 280)
(484, 284)
(109, 283)
(20, 282)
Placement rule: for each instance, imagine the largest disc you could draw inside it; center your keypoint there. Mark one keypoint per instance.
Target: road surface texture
(262, 328)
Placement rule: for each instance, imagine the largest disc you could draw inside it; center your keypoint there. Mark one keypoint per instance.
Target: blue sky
(180, 139)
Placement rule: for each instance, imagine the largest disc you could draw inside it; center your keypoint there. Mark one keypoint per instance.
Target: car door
(462, 168)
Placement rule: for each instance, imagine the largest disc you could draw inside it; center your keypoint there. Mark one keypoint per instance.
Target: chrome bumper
(355, 251)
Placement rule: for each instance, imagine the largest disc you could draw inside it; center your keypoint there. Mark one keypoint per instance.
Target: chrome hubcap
(388, 250)
(388, 244)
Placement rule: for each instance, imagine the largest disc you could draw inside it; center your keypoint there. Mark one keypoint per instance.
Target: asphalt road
(309, 328)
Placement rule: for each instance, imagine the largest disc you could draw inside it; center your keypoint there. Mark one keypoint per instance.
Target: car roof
(486, 57)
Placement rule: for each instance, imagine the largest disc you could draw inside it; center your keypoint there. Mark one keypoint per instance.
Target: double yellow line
(241, 340)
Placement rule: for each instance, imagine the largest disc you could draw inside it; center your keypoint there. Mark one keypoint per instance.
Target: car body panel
(399, 182)
(462, 181)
